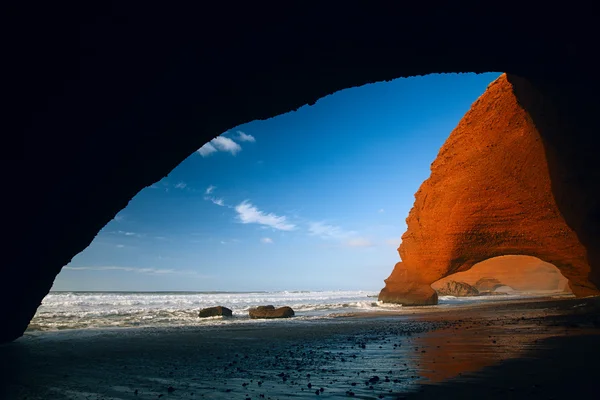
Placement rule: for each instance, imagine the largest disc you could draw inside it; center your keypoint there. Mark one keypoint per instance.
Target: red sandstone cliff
(488, 195)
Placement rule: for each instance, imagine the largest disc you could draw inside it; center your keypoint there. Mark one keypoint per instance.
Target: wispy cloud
(216, 201)
(210, 189)
(126, 233)
(180, 185)
(359, 242)
(381, 210)
(207, 150)
(153, 271)
(326, 231)
(243, 137)
(343, 237)
(266, 240)
(249, 214)
(120, 246)
(118, 218)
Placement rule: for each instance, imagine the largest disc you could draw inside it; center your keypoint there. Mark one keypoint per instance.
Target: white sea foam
(68, 310)
(75, 310)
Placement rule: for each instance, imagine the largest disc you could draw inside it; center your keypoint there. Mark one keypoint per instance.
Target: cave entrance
(303, 210)
(505, 275)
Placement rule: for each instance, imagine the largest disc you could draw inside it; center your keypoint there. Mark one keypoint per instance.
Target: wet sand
(517, 349)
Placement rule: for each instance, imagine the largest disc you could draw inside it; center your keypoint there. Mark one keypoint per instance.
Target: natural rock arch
(520, 273)
(106, 101)
(489, 194)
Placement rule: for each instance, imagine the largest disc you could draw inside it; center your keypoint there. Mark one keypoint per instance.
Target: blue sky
(314, 199)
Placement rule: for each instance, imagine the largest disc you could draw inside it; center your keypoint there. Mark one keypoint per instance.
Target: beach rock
(271, 312)
(215, 312)
(459, 289)
(488, 195)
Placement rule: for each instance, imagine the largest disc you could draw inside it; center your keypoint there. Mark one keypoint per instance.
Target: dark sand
(520, 349)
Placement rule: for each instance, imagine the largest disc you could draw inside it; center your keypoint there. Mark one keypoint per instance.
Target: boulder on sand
(454, 288)
(215, 312)
(270, 312)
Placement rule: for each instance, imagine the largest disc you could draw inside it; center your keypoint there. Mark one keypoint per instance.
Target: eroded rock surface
(489, 194)
(454, 288)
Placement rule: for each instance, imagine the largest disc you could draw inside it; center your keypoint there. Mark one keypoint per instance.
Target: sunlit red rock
(488, 195)
(521, 273)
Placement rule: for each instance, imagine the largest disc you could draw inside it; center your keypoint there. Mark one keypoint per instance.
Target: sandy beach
(540, 348)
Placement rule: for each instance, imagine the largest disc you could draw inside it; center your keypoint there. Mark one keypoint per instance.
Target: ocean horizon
(61, 310)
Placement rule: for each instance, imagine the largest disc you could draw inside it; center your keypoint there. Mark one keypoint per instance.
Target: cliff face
(489, 194)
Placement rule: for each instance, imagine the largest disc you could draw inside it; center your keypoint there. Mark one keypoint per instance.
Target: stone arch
(518, 272)
(104, 102)
(489, 194)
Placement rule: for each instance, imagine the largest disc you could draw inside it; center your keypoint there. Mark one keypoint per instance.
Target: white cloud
(118, 218)
(359, 242)
(216, 201)
(207, 150)
(180, 185)
(381, 210)
(128, 269)
(249, 214)
(223, 143)
(120, 246)
(129, 233)
(266, 240)
(243, 137)
(326, 231)
(210, 189)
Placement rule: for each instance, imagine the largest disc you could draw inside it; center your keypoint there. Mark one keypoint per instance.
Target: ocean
(81, 310)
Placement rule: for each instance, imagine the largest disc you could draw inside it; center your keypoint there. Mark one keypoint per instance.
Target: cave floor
(523, 349)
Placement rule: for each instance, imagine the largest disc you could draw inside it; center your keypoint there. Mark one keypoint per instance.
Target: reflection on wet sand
(520, 353)
(416, 356)
(449, 353)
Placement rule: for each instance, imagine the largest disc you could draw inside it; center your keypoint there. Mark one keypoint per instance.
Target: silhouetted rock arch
(104, 102)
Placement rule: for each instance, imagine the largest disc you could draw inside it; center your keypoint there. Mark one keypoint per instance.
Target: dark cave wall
(104, 101)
